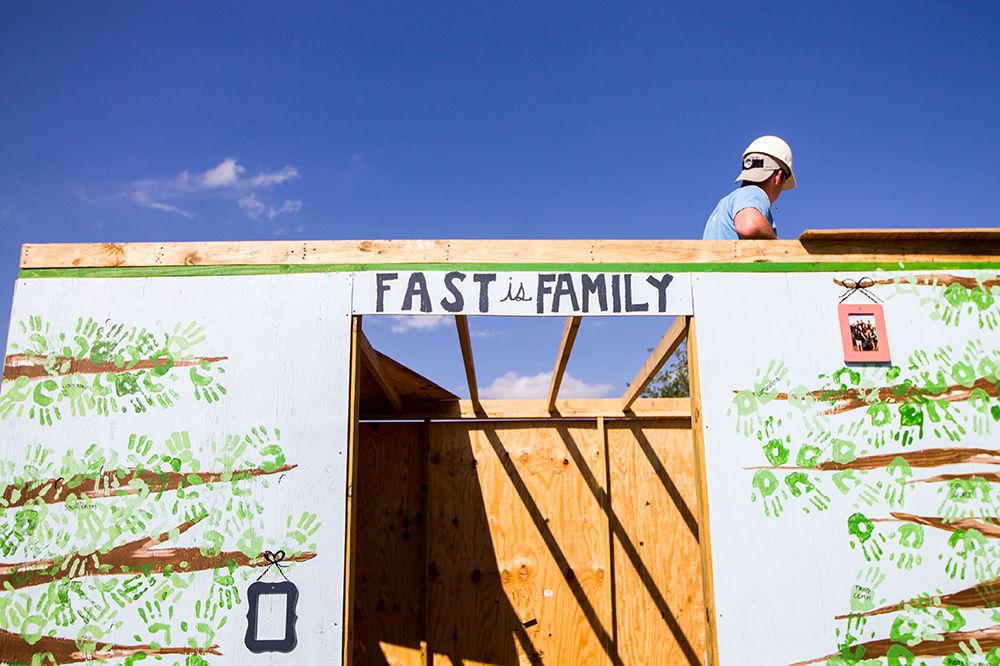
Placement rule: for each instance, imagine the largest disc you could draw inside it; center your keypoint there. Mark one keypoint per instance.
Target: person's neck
(772, 191)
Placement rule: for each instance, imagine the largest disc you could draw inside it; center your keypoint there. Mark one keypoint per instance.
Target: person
(745, 213)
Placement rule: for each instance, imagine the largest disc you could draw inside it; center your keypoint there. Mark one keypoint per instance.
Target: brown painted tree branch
(115, 483)
(936, 280)
(847, 399)
(139, 555)
(981, 595)
(15, 650)
(921, 458)
(949, 643)
(988, 477)
(989, 528)
(33, 367)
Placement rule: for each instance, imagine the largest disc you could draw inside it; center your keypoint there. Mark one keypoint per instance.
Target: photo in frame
(863, 333)
(271, 617)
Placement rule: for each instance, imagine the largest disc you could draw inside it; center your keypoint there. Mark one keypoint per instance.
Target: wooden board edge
(468, 360)
(569, 333)
(354, 405)
(426, 647)
(704, 526)
(534, 409)
(967, 233)
(904, 245)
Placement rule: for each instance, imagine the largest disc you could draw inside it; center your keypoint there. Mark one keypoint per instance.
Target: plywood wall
(164, 443)
(529, 558)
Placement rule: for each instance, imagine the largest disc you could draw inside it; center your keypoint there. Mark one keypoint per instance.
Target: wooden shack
(479, 531)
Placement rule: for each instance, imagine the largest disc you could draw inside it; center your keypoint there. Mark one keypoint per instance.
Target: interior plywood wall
(556, 542)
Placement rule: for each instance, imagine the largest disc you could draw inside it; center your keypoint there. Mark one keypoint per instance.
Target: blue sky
(211, 121)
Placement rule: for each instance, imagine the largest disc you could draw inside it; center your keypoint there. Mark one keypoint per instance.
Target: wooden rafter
(378, 371)
(664, 349)
(562, 358)
(462, 324)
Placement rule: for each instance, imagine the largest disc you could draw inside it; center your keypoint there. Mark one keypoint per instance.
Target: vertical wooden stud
(352, 445)
(602, 438)
(704, 528)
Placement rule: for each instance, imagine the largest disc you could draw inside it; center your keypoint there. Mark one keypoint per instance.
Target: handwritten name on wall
(521, 293)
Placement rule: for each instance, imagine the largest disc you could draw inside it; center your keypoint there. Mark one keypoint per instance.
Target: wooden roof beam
(664, 349)
(379, 371)
(562, 358)
(462, 324)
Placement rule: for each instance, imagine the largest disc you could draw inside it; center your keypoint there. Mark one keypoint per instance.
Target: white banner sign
(521, 293)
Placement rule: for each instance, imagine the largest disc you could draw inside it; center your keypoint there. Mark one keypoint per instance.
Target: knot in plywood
(112, 254)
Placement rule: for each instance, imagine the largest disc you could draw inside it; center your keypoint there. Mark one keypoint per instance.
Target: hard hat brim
(760, 174)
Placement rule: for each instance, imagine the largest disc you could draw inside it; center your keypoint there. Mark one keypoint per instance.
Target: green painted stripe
(289, 269)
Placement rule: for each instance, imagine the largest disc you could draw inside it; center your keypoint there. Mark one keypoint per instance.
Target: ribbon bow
(273, 560)
(862, 286)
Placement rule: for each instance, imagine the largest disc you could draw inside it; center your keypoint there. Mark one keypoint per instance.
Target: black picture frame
(254, 592)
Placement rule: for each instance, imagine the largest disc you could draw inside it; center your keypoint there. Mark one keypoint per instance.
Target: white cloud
(486, 333)
(227, 178)
(284, 231)
(255, 209)
(402, 324)
(225, 175)
(515, 385)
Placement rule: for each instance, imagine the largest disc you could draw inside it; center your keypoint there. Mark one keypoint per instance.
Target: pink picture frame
(863, 333)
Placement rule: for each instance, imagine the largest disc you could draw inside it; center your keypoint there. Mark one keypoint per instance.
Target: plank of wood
(562, 358)
(705, 535)
(389, 596)
(676, 408)
(984, 234)
(659, 602)
(611, 648)
(347, 612)
(465, 342)
(518, 543)
(905, 246)
(378, 371)
(667, 345)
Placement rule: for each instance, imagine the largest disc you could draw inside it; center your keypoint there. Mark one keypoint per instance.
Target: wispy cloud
(228, 178)
(402, 324)
(284, 231)
(256, 209)
(516, 385)
(486, 333)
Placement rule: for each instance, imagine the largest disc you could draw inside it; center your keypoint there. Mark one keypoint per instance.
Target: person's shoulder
(751, 193)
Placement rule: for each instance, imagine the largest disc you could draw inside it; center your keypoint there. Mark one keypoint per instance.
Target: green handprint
(965, 543)
(305, 528)
(181, 456)
(800, 485)
(900, 475)
(766, 484)
(140, 444)
(203, 388)
(183, 339)
(864, 535)
(910, 537)
(15, 397)
(776, 452)
(863, 594)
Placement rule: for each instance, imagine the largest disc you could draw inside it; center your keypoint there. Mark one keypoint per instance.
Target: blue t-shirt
(721, 224)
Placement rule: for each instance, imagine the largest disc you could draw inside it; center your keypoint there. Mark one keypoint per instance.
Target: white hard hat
(764, 156)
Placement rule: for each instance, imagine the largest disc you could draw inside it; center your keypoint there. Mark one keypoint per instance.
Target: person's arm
(751, 225)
